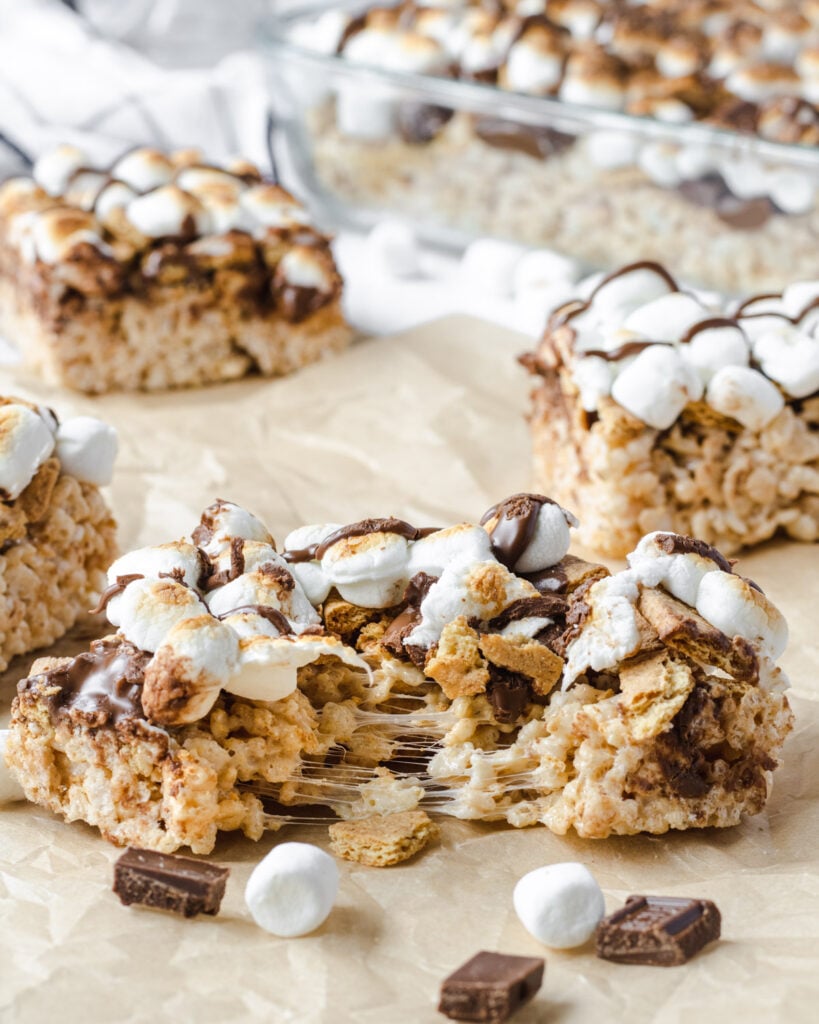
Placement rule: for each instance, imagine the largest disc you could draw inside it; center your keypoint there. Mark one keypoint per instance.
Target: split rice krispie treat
(162, 271)
(56, 533)
(477, 671)
(655, 410)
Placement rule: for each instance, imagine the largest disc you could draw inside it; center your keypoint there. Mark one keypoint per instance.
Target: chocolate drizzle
(515, 525)
(545, 606)
(406, 620)
(273, 616)
(677, 544)
(113, 590)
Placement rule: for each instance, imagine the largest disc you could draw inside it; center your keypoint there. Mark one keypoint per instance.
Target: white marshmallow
(798, 296)
(658, 160)
(610, 633)
(462, 543)
(790, 357)
(226, 521)
(143, 170)
(165, 211)
(715, 347)
(369, 570)
(657, 386)
(147, 610)
(680, 574)
(625, 293)
(529, 70)
(56, 232)
(542, 268)
(84, 188)
(666, 318)
(163, 558)
(731, 604)
(113, 197)
(247, 625)
(606, 95)
(263, 588)
(53, 170)
(87, 448)
(746, 178)
(254, 555)
(268, 666)
(10, 789)
(550, 540)
(695, 162)
(594, 377)
(312, 580)
(792, 192)
(364, 113)
(292, 891)
(488, 266)
(25, 443)
(746, 395)
(269, 206)
(303, 267)
(560, 905)
(393, 245)
(610, 150)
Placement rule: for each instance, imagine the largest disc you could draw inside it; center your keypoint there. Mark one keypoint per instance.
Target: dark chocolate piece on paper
(491, 987)
(661, 931)
(181, 885)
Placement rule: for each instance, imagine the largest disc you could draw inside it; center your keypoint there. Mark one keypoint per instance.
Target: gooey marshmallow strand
(656, 384)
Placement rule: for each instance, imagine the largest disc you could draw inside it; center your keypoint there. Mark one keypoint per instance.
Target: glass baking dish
(463, 159)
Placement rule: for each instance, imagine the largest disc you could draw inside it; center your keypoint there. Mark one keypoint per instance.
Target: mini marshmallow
(167, 211)
(488, 266)
(694, 162)
(369, 570)
(364, 113)
(542, 268)
(113, 197)
(87, 448)
(731, 604)
(143, 170)
(714, 348)
(268, 666)
(790, 357)
(304, 267)
(611, 150)
(25, 443)
(657, 386)
(666, 318)
(746, 178)
(593, 377)
(610, 634)
(746, 395)
(309, 574)
(247, 625)
(394, 245)
(84, 188)
(624, 293)
(10, 789)
(224, 521)
(761, 82)
(270, 206)
(798, 296)
(53, 170)
(147, 610)
(550, 540)
(792, 192)
(270, 589)
(531, 70)
(560, 905)
(462, 543)
(658, 160)
(167, 559)
(680, 574)
(56, 232)
(292, 891)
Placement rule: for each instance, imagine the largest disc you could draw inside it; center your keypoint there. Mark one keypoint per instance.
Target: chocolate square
(491, 987)
(661, 931)
(181, 885)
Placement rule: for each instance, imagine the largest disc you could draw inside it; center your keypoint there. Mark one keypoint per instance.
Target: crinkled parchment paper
(428, 426)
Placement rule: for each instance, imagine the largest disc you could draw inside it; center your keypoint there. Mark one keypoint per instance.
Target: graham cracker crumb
(457, 665)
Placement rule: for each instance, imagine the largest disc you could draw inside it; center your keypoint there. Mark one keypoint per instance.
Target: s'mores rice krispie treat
(654, 409)
(162, 271)
(56, 533)
(371, 669)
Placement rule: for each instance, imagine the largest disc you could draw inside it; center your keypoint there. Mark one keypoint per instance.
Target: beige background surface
(427, 426)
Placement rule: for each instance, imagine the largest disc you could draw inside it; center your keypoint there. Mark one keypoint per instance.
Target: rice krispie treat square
(655, 409)
(162, 271)
(376, 670)
(57, 535)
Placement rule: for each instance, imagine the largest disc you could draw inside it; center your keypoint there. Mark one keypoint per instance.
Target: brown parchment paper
(428, 426)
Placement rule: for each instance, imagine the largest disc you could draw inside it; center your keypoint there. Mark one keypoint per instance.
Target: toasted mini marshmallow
(784, 36)
(268, 666)
(254, 554)
(657, 386)
(168, 211)
(711, 349)
(763, 81)
(580, 17)
(87, 448)
(666, 318)
(25, 443)
(308, 571)
(148, 609)
(789, 356)
(271, 206)
(610, 633)
(739, 45)
(680, 56)
(21, 195)
(222, 202)
(535, 62)
(143, 169)
(305, 267)
(478, 590)
(193, 663)
(594, 79)
(731, 604)
(272, 586)
(112, 197)
(84, 188)
(178, 560)
(57, 232)
(679, 573)
(223, 521)
(419, 54)
(369, 570)
(461, 543)
(550, 540)
(54, 169)
(593, 377)
(746, 395)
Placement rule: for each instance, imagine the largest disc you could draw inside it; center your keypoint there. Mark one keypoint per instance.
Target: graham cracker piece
(525, 656)
(683, 629)
(345, 618)
(381, 841)
(36, 498)
(578, 570)
(652, 692)
(457, 665)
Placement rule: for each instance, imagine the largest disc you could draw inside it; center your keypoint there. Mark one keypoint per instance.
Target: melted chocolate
(420, 123)
(212, 580)
(707, 325)
(515, 526)
(546, 606)
(113, 590)
(273, 616)
(676, 544)
(630, 348)
(509, 693)
(362, 529)
(406, 621)
(537, 142)
(577, 306)
(297, 304)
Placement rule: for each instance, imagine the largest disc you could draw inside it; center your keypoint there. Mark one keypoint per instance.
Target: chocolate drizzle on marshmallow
(515, 524)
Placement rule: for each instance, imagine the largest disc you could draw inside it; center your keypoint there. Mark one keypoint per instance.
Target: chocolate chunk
(181, 885)
(491, 987)
(420, 123)
(661, 931)
(509, 694)
(535, 141)
(745, 214)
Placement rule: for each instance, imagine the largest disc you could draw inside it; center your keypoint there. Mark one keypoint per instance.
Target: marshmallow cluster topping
(103, 229)
(654, 349)
(29, 435)
(738, 65)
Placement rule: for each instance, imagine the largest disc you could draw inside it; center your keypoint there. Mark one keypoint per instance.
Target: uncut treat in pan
(57, 535)
(475, 670)
(654, 409)
(162, 271)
